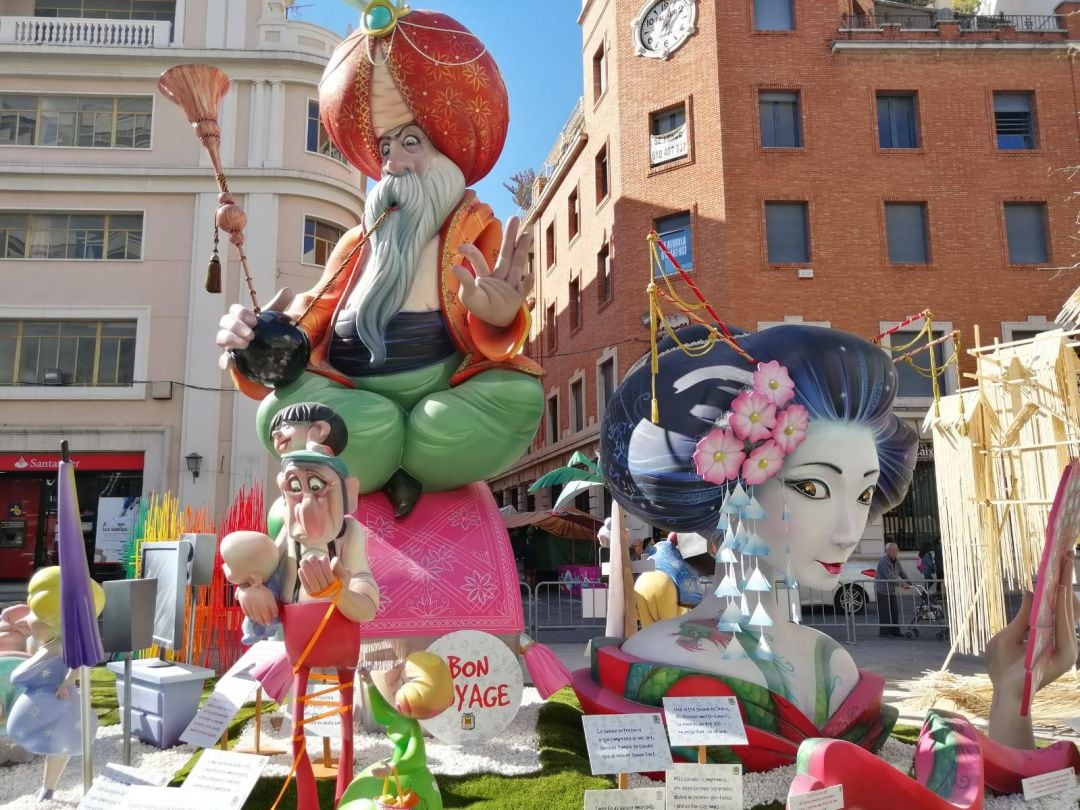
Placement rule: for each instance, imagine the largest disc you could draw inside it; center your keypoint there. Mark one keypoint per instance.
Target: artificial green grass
(561, 782)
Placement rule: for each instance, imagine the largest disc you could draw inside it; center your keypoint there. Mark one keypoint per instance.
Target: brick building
(838, 164)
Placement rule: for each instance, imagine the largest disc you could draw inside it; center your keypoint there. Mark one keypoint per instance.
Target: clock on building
(662, 26)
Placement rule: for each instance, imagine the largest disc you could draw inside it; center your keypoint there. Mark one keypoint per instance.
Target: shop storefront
(109, 486)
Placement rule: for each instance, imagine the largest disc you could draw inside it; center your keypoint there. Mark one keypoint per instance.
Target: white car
(853, 590)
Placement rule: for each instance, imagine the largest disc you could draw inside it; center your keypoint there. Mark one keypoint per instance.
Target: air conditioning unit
(806, 272)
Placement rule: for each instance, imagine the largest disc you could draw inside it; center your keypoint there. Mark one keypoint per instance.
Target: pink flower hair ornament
(752, 440)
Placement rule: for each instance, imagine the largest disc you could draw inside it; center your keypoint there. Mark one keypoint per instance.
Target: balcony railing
(1035, 23)
(79, 33)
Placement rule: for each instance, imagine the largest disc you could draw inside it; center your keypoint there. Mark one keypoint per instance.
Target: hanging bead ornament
(747, 446)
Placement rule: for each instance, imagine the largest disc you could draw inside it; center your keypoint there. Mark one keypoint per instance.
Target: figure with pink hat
(417, 324)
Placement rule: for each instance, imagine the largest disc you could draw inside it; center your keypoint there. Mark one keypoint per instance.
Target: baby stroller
(929, 610)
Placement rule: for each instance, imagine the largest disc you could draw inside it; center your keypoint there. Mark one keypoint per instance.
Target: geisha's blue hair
(838, 377)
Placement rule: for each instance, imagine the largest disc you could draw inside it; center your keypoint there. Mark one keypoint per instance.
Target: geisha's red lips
(832, 568)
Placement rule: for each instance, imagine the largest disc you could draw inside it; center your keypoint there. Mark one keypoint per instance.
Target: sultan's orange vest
(482, 346)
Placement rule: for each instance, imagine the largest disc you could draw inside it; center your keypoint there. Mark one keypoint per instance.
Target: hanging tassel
(213, 273)
(764, 651)
(549, 674)
(213, 269)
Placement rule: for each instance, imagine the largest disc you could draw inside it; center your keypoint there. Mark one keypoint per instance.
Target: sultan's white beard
(424, 203)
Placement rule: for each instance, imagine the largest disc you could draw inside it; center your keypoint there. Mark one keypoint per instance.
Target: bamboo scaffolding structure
(1000, 449)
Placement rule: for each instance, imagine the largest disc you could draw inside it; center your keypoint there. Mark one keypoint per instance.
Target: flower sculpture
(761, 429)
(748, 446)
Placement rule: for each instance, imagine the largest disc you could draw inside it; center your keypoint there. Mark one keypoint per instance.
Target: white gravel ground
(513, 753)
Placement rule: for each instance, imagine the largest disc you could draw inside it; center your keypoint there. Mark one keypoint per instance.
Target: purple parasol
(79, 627)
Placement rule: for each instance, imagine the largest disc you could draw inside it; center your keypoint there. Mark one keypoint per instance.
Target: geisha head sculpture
(783, 460)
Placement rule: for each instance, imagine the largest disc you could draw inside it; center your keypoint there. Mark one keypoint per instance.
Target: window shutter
(906, 226)
(786, 233)
(1025, 225)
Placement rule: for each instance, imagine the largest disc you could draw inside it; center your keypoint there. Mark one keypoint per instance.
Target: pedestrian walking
(886, 587)
(927, 566)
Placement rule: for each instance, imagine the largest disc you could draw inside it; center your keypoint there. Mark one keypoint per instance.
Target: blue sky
(537, 45)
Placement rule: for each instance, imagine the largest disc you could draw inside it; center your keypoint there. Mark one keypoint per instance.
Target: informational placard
(329, 726)
(487, 687)
(228, 775)
(238, 682)
(167, 798)
(109, 790)
(115, 524)
(210, 722)
(635, 799)
(235, 688)
(695, 721)
(704, 787)
(831, 798)
(1048, 784)
(626, 743)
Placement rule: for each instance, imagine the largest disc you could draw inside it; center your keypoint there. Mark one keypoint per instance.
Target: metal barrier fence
(916, 608)
(575, 607)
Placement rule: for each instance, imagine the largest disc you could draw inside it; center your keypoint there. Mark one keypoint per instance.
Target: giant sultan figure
(416, 333)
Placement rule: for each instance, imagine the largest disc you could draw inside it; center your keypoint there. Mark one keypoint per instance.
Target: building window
(905, 225)
(913, 379)
(601, 175)
(549, 244)
(599, 73)
(107, 9)
(78, 121)
(674, 231)
(669, 138)
(897, 121)
(60, 235)
(318, 139)
(319, 240)
(67, 352)
(577, 406)
(787, 235)
(551, 327)
(1025, 228)
(1014, 120)
(553, 419)
(605, 382)
(575, 303)
(781, 121)
(573, 212)
(774, 15)
(605, 287)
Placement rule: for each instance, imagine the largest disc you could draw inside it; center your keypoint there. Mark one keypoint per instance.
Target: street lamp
(194, 464)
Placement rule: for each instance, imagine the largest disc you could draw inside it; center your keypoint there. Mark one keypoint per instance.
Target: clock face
(664, 25)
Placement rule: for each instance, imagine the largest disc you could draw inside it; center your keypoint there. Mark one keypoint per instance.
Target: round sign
(487, 687)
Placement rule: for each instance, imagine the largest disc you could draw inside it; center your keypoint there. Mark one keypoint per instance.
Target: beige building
(106, 225)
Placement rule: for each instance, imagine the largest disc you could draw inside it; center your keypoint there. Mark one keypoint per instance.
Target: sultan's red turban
(424, 67)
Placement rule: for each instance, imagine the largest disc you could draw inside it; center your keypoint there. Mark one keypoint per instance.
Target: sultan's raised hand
(495, 295)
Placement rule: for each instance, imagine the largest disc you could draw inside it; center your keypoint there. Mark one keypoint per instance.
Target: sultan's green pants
(444, 437)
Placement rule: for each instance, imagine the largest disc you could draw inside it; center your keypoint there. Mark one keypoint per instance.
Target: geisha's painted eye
(867, 495)
(811, 488)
